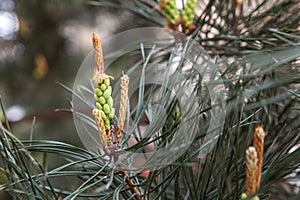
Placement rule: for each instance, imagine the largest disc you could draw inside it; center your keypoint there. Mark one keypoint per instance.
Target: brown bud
(101, 127)
(258, 143)
(123, 105)
(251, 169)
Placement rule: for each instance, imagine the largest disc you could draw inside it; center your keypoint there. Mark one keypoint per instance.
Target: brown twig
(131, 186)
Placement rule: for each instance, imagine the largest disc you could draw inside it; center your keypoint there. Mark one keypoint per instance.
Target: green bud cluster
(104, 101)
(188, 12)
(171, 11)
(245, 196)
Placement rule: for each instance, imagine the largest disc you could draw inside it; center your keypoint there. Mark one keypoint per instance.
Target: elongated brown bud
(123, 105)
(258, 143)
(99, 73)
(239, 9)
(98, 53)
(101, 127)
(251, 169)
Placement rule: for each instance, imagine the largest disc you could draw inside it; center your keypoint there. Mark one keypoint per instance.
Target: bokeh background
(41, 43)
(44, 42)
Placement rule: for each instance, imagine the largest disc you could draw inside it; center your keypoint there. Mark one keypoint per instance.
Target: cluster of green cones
(104, 101)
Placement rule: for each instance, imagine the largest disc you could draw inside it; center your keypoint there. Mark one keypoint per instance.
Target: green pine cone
(189, 22)
(95, 97)
(107, 82)
(107, 125)
(107, 92)
(112, 113)
(110, 101)
(244, 196)
(106, 109)
(189, 12)
(98, 105)
(171, 12)
(170, 19)
(98, 92)
(104, 101)
(184, 17)
(172, 4)
(103, 87)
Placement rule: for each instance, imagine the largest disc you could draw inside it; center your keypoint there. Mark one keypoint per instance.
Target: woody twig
(131, 186)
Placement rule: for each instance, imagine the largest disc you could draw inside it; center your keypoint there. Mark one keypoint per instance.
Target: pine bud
(112, 113)
(102, 100)
(106, 109)
(172, 4)
(189, 22)
(123, 105)
(171, 12)
(107, 82)
(251, 168)
(244, 196)
(101, 126)
(107, 92)
(258, 143)
(98, 92)
(189, 12)
(103, 87)
(103, 115)
(95, 97)
(107, 125)
(110, 101)
(170, 19)
(98, 105)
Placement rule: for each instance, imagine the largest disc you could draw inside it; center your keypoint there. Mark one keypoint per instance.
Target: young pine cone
(171, 11)
(104, 101)
(188, 12)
